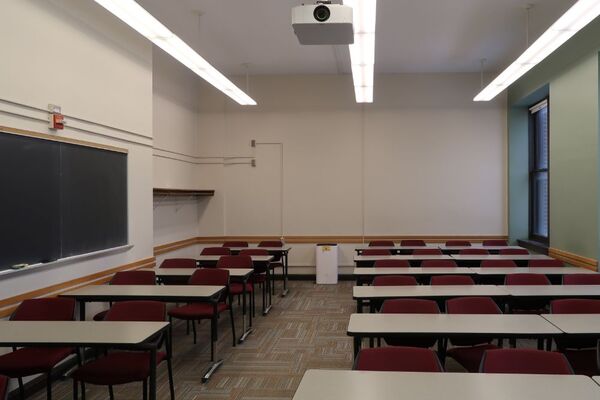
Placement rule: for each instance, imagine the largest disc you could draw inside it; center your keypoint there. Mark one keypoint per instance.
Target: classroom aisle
(306, 329)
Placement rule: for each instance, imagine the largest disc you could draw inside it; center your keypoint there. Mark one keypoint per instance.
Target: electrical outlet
(253, 143)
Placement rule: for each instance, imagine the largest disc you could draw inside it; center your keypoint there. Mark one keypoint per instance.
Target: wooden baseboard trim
(169, 247)
(8, 305)
(574, 259)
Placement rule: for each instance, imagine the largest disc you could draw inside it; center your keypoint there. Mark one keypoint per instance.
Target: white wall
(74, 54)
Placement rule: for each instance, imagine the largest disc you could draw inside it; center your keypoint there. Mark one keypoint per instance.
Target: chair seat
(470, 357)
(195, 311)
(583, 361)
(238, 288)
(32, 360)
(100, 316)
(118, 368)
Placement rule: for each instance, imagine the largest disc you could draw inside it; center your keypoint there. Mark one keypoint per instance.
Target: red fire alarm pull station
(55, 118)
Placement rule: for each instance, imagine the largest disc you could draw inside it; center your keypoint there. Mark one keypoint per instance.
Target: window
(538, 173)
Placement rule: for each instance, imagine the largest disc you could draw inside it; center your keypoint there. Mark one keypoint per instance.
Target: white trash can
(327, 263)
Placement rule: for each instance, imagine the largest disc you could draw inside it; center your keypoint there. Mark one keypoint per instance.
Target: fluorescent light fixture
(576, 18)
(362, 52)
(145, 24)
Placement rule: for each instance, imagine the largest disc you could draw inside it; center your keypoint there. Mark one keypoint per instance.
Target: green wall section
(570, 77)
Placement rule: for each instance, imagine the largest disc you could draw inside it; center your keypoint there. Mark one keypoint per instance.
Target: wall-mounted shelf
(182, 192)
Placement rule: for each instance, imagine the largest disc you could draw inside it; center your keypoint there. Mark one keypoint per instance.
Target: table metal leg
(214, 365)
(359, 306)
(82, 310)
(285, 275)
(153, 374)
(268, 291)
(357, 344)
(245, 330)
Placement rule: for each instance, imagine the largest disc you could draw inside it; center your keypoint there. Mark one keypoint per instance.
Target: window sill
(532, 245)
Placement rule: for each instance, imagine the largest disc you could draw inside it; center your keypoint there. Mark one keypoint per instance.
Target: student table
(281, 252)
(395, 249)
(492, 249)
(371, 385)
(549, 292)
(557, 271)
(576, 324)
(362, 261)
(522, 259)
(113, 334)
(414, 271)
(449, 326)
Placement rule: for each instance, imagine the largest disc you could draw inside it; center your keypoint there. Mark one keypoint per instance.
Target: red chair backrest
(45, 309)
(472, 305)
(550, 263)
(410, 306)
(215, 251)
(271, 243)
(412, 242)
(134, 278)
(439, 264)
(394, 280)
(509, 252)
(452, 280)
(138, 310)
(375, 252)
(526, 279)
(398, 358)
(458, 243)
(178, 263)
(525, 361)
(391, 264)
(498, 264)
(235, 262)
(210, 277)
(495, 242)
(254, 252)
(575, 306)
(235, 243)
(581, 279)
(381, 243)
(424, 252)
(474, 251)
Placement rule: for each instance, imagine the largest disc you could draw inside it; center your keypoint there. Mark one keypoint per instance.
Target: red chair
(3, 387)
(381, 243)
(550, 263)
(526, 279)
(474, 252)
(581, 279)
(178, 263)
(410, 306)
(28, 361)
(512, 252)
(235, 243)
(439, 264)
(495, 242)
(412, 242)
(121, 367)
(271, 243)
(237, 288)
(376, 252)
(205, 310)
(525, 361)
(129, 278)
(427, 252)
(580, 352)
(400, 359)
(451, 280)
(471, 350)
(498, 264)
(455, 243)
(527, 306)
(260, 271)
(391, 264)
(394, 280)
(215, 251)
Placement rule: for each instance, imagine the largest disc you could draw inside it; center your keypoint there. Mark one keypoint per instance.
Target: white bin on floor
(327, 263)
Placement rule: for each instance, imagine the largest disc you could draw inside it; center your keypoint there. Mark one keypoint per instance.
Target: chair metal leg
(82, 390)
(21, 389)
(111, 393)
(171, 384)
(75, 390)
(194, 330)
(145, 389)
(232, 325)
(49, 386)
(187, 328)
(213, 338)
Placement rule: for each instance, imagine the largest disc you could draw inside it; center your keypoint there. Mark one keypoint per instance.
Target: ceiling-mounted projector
(323, 23)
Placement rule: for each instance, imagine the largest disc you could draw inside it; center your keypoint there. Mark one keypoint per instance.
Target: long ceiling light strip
(145, 24)
(576, 18)
(362, 52)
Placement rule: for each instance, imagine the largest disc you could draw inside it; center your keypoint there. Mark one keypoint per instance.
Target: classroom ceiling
(427, 36)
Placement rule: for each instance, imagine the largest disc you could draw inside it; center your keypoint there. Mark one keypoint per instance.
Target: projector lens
(322, 13)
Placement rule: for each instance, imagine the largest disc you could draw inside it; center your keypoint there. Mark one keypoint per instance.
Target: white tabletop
(527, 270)
(76, 332)
(217, 257)
(421, 291)
(596, 379)
(369, 385)
(479, 246)
(575, 323)
(427, 246)
(273, 249)
(145, 291)
(492, 324)
(233, 272)
(412, 271)
(553, 290)
(407, 257)
(514, 257)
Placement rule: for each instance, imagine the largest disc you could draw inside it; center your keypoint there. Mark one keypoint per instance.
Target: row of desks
(445, 249)
(554, 271)
(460, 259)
(363, 385)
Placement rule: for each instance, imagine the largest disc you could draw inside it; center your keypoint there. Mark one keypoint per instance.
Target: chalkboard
(59, 200)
